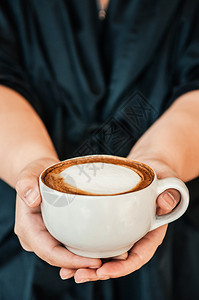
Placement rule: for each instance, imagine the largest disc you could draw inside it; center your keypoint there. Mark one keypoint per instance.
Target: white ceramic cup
(107, 226)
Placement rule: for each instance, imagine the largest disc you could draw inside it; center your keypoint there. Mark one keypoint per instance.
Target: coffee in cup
(98, 175)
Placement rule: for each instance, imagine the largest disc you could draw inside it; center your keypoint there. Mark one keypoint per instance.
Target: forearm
(23, 136)
(174, 138)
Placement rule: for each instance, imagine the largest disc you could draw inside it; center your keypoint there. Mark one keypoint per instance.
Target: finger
(167, 201)
(48, 249)
(25, 246)
(66, 273)
(27, 185)
(121, 256)
(85, 275)
(79, 274)
(139, 255)
(28, 190)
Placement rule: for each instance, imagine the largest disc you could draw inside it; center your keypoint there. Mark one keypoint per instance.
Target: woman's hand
(144, 249)
(29, 226)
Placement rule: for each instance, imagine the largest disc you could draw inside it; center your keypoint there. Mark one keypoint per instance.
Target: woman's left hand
(144, 249)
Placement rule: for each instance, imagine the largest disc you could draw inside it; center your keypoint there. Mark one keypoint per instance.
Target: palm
(139, 254)
(34, 226)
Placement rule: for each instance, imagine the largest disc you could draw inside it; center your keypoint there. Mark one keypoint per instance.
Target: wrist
(157, 162)
(23, 159)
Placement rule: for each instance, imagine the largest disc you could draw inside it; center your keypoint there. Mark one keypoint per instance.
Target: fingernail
(95, 266)
(104, 277)
(66, 274)
(169, 200)
(31, 196)
(82, 280)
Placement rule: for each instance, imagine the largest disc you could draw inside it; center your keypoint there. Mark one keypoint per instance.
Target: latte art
(101, 178)
(98, 175)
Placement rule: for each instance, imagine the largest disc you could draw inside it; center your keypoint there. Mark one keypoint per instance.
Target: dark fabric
(98, 86)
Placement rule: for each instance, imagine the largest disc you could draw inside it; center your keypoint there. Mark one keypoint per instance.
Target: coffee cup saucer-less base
(100, 254)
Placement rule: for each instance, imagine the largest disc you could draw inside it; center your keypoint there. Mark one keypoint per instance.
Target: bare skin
(167, 146)
(104, 3)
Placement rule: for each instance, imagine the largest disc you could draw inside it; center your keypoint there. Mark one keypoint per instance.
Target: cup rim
(41, 181)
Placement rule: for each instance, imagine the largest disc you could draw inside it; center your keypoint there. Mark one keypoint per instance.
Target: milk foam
(101, 178)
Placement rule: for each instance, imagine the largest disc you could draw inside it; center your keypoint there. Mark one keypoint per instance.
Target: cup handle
(174, 183)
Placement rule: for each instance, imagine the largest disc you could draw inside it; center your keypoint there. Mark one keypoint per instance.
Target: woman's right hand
(29, 226)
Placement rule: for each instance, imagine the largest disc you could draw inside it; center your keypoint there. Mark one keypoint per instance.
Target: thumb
(28, 190)
(167, 201)
(27, 185)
